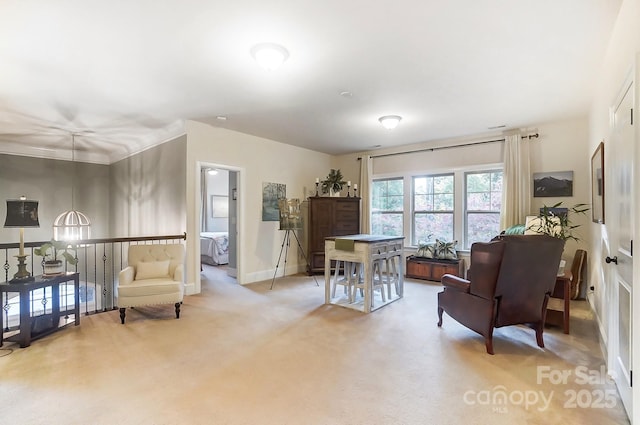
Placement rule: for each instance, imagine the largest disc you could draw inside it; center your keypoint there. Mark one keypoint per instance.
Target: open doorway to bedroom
(218, 224)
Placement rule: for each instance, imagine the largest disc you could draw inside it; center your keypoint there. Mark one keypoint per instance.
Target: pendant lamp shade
(71, 226)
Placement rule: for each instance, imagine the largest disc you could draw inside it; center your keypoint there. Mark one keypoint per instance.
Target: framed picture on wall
(271, 192)
(597, 184)
(219, 206)
(559, 183)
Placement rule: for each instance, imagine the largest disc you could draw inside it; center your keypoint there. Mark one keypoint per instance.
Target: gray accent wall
(142, 195)
(148, 192)
(50, 182)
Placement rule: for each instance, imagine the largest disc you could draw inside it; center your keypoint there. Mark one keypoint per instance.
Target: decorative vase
(334, 194)
(53, 267)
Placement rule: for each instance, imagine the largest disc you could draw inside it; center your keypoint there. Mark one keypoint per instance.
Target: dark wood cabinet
(433, 269)
(329, 217)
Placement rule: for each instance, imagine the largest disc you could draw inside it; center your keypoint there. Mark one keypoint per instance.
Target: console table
(365, 250)
(50, 322)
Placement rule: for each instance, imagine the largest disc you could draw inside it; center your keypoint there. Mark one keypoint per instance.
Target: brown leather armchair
(509, 283)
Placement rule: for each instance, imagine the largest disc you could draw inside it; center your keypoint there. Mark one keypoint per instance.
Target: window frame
(466, 245)
(385, 212)
(413, 210)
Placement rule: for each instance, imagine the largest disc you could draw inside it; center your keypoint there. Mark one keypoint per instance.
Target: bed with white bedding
(214, 248)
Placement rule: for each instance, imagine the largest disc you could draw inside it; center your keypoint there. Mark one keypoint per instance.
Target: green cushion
(517, 229)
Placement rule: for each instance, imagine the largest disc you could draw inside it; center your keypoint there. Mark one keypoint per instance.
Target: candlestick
(317, 183)
(355, 191)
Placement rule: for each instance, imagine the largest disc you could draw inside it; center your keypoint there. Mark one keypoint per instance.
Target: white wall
(621, 63)
(561, 146)
(258, 160)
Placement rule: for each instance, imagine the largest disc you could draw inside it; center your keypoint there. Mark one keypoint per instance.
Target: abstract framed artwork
(597, 184)
(271, 192)
(554, 184)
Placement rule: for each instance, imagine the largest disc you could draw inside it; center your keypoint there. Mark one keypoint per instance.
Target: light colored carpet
(248, 355)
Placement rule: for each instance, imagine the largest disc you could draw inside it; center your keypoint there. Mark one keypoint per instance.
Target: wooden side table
(558, 312)
(52, 320)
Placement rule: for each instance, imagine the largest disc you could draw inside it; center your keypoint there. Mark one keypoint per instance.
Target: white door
(619, 224)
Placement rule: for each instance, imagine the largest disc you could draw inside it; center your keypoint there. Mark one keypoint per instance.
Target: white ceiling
(125, 75)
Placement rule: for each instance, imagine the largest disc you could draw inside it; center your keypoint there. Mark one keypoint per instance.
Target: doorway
(219, 220)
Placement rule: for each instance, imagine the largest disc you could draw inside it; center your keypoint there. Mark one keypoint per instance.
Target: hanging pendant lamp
(72, 225)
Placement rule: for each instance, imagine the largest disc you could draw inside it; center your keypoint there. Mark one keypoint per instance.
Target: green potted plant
(333, 182)
(555, 224)
(53, 252)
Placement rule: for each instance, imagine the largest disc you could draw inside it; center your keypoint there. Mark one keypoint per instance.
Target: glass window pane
(423, 202)
(443, 184)
(482, 227)
(443, 202)
(431, 226)
(386, 207)
(386, 224)
(477, 182)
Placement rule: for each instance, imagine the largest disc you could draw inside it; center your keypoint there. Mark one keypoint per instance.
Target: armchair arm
(126, 275)
(178, 274)
(450, 281)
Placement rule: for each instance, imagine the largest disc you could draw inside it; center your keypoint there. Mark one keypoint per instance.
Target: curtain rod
(531, 136)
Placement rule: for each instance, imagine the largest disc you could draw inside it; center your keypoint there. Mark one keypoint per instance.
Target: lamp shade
(71, 226)
(22, 213)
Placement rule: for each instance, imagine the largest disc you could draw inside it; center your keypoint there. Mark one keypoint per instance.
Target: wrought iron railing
(99, 263)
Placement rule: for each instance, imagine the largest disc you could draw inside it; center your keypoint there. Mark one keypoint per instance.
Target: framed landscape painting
(559, 183)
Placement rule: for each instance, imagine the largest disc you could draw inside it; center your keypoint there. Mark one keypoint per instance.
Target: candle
(355, 186)
(317, 180)
(349, 183)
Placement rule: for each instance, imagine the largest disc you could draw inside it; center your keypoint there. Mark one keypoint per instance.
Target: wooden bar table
(364, 249)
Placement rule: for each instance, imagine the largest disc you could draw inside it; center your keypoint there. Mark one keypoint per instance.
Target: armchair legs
(440, 311)
(124, 310)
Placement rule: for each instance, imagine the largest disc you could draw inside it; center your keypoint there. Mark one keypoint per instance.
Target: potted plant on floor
(53, 252)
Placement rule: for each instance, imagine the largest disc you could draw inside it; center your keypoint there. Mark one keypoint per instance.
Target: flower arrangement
(333, 182)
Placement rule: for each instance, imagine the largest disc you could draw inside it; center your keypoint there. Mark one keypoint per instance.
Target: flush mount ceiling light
(212, 171)
(390, 121)
(269, 55)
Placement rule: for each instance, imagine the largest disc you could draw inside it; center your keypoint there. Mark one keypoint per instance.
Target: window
(483, 202)
(386, 207)
(433, 208)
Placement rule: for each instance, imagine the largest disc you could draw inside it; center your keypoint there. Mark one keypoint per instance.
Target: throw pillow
(446, 250)
(152, 269)
(426, 250)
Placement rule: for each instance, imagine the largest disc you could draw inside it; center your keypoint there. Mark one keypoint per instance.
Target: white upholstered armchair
(154, 276)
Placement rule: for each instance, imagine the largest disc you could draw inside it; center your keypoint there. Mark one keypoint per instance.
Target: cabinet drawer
(347, 206)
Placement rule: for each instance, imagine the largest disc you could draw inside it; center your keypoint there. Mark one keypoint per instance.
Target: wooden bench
(433, 268)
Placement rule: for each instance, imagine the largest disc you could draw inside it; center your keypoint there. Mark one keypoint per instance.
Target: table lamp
(22, 213)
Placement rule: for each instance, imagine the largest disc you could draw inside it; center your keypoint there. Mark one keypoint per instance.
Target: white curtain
(516, 183)
(204, 210)
(365, 194)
